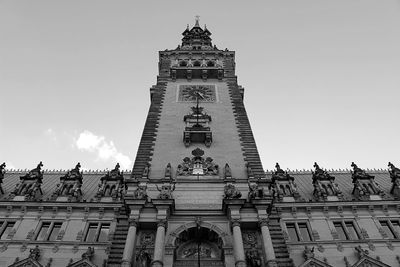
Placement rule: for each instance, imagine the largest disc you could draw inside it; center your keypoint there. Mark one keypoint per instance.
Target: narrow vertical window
(352, 231)
(7, 230)
(103, 234)
(55, 231)
(291, 228)
(396, 226)
(386, 228)
(340, 230)
(304, 233)
(91, 233)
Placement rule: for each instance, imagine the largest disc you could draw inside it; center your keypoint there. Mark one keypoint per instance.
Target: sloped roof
(303, 180)
(89, 188)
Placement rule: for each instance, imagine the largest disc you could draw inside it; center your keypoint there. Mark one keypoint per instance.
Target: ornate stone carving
(166, 191)
(197, 165)
(283, 185)
(361, 252)
(143, 257)
(140, 192)
(112, 184)
(253, 258)
(168, 172)
(249, 238)
(70, 185)
(395, 177)
(231, 192)
(147, 238)
(324, 185)
(34, 253)
(255, 192)
(2, 173)
(146, 171)
(88, 255)
(364, 184)
(30, 184)
(308, 253)
(227, 172)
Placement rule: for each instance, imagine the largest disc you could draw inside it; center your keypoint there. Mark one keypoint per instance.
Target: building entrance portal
(198, 246)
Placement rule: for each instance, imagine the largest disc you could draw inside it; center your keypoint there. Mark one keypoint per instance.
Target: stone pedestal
(129, 245)
(159, 245)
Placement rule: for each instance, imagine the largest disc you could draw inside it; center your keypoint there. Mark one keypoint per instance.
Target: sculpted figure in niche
(359, 173)
(168, 174)
(253, 258)
(228, 172)
(308, 253)
(143, 258)
(231, 192)
(34, 253)
(146, 171)
(140, 192)
(166, 191)
(255, 191)
(115, 172)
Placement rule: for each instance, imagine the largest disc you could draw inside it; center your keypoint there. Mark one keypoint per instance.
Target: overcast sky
(321, 78)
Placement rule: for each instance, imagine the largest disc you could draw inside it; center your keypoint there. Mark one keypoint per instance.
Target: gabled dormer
(365, 187)
(29, 187)
(283, 185)
(325, 188)
(112, 185)
(69, 188)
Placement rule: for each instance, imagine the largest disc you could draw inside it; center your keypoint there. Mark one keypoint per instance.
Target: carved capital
(133, 222)
(162, 223)
(263, 222)
(235, 222)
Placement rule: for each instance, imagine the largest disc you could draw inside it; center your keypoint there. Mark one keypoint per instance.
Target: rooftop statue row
(112, 185)
(365, 187)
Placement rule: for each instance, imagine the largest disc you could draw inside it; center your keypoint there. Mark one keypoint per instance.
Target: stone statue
(361, 252)
(250, 173)
(359, 173)
(166, 191)
(168, 174)
(34, 253)
(231, 192)
(184, 168)
(253, 258)
(228, 172)
(255, 191)
(140, 192)
(34, 173)
(308, 253)
(88, 255)
(146, 171)
(394, 172)
(279, 171)
(143, 258)
(115, 173)
(2, 170)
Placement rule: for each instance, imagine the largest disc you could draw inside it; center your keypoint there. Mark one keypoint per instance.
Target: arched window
(107, 191)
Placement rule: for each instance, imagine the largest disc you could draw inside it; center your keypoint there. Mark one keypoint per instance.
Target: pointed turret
(196, 38)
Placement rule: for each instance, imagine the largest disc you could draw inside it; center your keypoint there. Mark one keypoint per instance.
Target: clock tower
(198, 194)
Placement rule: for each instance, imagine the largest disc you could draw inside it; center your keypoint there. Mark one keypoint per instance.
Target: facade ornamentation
(168, 172)
(308, 253)
(255, 191)
(253, 258)
(197, 165)
(227, 172)
(34, 253)
(283, 185)
(143, 258)
(88, 255)
(146, 171)
(70, 185)
(30, 184)
(395, 177)
(324, 185)
(112, 184)
(360, 252)
(231, 192)
(197, 129)
(166, 191)
(2, 172)
(140, 191)
(364, 184)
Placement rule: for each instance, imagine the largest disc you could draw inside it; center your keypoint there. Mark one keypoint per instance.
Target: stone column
(267, 243)
(159, 245)
(238, 244)
(129, 244)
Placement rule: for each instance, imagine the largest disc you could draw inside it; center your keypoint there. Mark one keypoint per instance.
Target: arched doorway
(198, 246)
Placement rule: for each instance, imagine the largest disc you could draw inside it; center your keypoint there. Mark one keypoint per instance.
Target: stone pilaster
(240, 260)
(268, 247)
(159, 245)
(129, 244)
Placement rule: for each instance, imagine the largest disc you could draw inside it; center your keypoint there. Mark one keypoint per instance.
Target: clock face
(204, 93)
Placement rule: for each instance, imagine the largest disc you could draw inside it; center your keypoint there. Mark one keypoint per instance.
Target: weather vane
(197, 19)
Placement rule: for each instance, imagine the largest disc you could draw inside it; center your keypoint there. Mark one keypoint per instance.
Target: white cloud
(106, 151)
(51, 134)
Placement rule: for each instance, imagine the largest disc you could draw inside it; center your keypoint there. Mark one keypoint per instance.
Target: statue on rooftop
(115, 173)
(88, 255)
(255, 191)
(34, 173)
(359, 173)
(2, 171)
(393, 170)
(140, 192)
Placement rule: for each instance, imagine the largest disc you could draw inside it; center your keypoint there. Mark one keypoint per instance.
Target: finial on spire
(197, 21)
